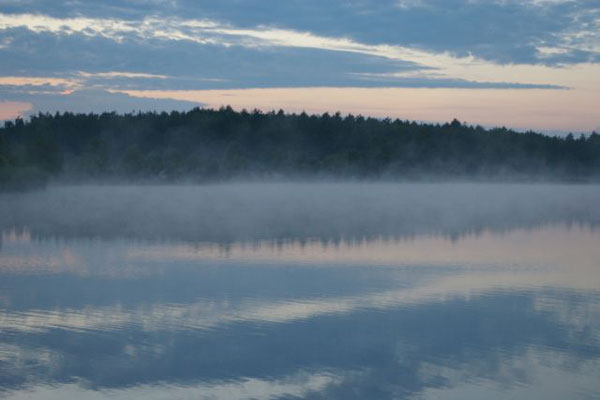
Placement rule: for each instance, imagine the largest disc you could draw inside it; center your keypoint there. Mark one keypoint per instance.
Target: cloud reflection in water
(505, 312)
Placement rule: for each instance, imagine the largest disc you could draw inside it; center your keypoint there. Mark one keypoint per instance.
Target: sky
(524, 64)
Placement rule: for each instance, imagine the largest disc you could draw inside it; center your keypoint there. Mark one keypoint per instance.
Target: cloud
(33, 80)
(298, 385)
(410, 80)
(505, 31)
(406, 4)
(118, 74)
(268, 56)
(92, 100)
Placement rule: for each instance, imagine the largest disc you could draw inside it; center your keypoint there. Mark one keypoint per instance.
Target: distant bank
(210, 145)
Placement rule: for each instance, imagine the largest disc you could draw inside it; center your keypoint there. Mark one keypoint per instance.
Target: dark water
(336, 291)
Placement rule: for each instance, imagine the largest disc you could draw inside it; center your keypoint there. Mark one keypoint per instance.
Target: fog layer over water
(301, 291)
(251, 212)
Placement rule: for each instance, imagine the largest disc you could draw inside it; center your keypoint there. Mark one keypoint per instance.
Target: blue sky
(526, 64)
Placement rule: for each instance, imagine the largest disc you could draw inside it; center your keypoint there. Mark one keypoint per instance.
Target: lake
(301, 290)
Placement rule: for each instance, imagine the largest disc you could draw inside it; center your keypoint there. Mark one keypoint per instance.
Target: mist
(326, 211)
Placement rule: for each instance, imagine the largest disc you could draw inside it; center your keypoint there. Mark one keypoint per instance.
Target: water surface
(337, 291)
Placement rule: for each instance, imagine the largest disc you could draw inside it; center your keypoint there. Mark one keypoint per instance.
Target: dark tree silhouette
(204, 144)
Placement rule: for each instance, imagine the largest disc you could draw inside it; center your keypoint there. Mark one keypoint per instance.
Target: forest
(206, 145)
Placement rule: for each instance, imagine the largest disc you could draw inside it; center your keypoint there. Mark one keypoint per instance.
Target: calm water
(268, 291)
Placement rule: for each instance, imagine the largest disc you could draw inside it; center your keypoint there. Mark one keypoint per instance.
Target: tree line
(205, 145)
